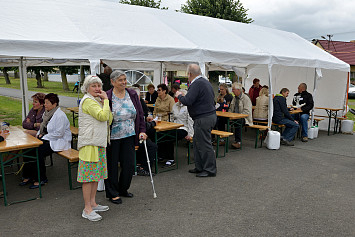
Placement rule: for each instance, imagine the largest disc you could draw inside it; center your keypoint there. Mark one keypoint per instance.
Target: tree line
(43, 71)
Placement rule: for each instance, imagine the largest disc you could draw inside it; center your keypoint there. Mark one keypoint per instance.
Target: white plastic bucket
(347, 126)
(273, 140)
(315, 133)
(311, 133)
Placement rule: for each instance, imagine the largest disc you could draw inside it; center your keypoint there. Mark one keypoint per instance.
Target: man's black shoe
(116, 201)
(194, 171)
(205, 174)
(128, 195)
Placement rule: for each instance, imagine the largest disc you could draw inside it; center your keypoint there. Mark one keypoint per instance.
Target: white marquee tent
(42, 32)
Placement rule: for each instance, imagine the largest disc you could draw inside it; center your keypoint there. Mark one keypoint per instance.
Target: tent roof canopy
(99, 29)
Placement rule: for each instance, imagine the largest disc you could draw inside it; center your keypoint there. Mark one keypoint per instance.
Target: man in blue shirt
(200, 104)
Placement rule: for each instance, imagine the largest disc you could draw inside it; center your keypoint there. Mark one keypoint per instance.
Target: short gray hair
(194, 69)
(116, 74)
(237, 86)
(88, 81)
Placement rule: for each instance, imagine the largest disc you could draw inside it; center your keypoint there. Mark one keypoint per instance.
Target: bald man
(304, 102)
(200, 104)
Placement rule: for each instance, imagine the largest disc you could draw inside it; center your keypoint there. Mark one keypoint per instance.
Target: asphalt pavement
(305, 190)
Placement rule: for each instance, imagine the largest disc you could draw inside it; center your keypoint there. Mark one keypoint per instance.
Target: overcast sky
(308, 18)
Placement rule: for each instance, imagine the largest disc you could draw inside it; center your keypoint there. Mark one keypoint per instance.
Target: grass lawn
(349, 115)
(49, 86)
(10, 111)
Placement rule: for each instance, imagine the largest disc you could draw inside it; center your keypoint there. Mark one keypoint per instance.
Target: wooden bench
(221, 134)
(74, 130)
(316, 121)
(189, 151)
(265, 122)
(72, 157)
(338, 123)
(74, 134)
(258, 129)
(339, 119)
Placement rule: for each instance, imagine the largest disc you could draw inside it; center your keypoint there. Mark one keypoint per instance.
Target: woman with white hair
(179, 115)
(241, 104)
(94, 120)
(262, 105)
(127, 128)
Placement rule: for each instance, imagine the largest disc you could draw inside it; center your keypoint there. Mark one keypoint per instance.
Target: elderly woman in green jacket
(94, 120)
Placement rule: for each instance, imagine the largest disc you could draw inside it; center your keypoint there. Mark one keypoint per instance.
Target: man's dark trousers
(205, 159)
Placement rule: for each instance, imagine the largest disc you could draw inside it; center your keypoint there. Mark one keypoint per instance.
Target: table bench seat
(258, 129)
(221, 134)
(72, 157)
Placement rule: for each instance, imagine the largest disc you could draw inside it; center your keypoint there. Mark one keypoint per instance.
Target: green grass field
(10, 111)
(349, 115)
(49, 86)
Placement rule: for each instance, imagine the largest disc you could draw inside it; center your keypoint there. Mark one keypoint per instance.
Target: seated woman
(262, 105)
(164, 104)
(151, 95)
(55, 134)
(223, 101)
(179, 115)
(34, 118)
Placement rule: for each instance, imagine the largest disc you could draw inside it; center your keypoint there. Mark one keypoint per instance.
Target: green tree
(83, 69)
(232, 10)
(37, 71)
(67, 70)
(144, 3)
(6, 74)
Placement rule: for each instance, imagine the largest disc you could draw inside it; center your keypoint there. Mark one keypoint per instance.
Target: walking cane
(150, 171)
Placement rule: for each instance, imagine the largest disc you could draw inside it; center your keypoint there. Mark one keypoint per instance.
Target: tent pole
(161, 73)
(314, 93)
(24, 88)
(347, 96)
(271, 105)
(203, 68)
(94, 66)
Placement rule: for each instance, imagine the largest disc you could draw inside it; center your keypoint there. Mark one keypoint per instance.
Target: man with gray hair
(240, 104)
(200, 104)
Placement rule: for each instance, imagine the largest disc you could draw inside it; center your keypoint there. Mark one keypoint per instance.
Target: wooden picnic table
(332, 113)
(232, 119)
(16, 140)
(75, 111)
(295, 111)
(166, 130)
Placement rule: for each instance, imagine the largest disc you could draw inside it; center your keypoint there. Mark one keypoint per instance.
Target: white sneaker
(93, 216)
(100, 208)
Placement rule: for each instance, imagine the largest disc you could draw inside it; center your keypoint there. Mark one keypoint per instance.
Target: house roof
(345, 51)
